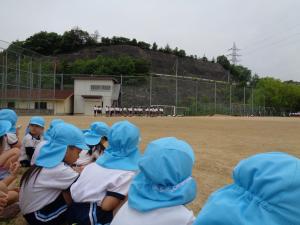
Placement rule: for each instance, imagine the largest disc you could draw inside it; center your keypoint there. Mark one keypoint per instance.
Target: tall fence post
(230, 100)
(54, 79)
(196, 113)
(176, 88)
(5, 79)
(215, 97)
(150, 91)
(252, 102)
(39, 85)
(2, 80)
(121, 91)
(19, 74)
(244, 100)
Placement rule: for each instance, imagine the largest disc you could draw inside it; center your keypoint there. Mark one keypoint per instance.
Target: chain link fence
(28, 80)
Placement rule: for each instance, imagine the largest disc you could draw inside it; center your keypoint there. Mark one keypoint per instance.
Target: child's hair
(29, 173)
(1, 143)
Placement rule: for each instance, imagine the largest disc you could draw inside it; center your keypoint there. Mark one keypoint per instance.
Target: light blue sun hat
(95, 133)
(266, 190)
(11, 116)
(53, 123)
(54, 151)
(5, 126)
(122, 151)
(37, 120)
(165, 177)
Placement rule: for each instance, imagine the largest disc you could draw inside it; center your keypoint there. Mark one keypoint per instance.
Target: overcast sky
(266, 31)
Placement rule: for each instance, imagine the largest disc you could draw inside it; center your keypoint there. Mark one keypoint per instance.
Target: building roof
(95, 77)
(35, 94)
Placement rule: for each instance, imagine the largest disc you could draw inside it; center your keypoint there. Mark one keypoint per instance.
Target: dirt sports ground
(219, 143)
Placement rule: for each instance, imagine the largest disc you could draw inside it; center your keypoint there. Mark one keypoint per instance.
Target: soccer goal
(172, 110)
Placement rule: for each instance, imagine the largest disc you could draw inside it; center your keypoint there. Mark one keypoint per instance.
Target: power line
(272, 44)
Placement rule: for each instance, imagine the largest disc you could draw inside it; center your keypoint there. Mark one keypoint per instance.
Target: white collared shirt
(28, 141)
(43, 189)
(37, 151)
(95, 181)
(176, 215)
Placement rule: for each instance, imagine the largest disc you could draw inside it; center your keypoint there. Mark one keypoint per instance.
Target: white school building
(90, 91)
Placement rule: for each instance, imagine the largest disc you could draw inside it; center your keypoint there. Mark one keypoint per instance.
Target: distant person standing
(99, 110)
(95, 110)
(106, 111)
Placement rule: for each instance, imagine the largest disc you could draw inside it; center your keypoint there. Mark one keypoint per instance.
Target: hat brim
(51, 155)
(82, 147)
(92, 139)
(38, 124)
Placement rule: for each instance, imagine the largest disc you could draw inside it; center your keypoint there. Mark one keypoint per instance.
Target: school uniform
(159, 193)
(100, 110)
(92, 137)
(164, 216)
(110, 175)
(95, 108)
(93, 185)
(28, 147)
(37, 151)
(41, 199)
(12, 139)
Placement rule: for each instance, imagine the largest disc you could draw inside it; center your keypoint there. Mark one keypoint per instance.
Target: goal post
(172, 110)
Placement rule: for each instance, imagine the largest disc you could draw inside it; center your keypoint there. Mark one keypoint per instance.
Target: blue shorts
(88, 214)
(4, 173)
(52, 214)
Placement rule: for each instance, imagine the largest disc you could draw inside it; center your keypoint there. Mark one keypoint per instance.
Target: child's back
(164, 185)
(165, 216)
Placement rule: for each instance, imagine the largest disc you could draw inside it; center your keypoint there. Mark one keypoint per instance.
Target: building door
(89, 106)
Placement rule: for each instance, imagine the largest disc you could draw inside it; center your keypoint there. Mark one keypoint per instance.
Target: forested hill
(159, 62)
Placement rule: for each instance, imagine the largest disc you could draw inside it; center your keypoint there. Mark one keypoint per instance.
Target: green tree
(154, 46)
(223, 61)
(43, 42)
(75, 39)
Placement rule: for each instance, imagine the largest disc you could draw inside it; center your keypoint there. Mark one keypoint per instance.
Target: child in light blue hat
(44, 192)
(104, 184)
(53, 123)
(32, 139)
(95, 138)
(266, 191)
(47, 137)
(9, 167)
(164, 185)
(12, 140)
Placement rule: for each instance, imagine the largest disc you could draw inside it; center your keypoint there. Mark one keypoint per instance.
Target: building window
(11, 105)
(100, 87)
(43, 105)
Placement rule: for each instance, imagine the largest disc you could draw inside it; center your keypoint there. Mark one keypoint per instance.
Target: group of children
(98, 176)
(130, 111)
